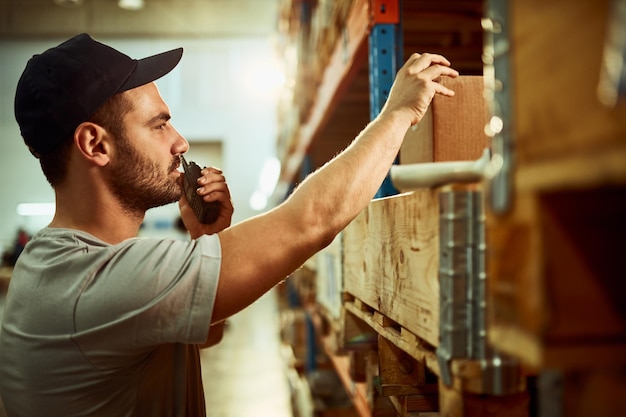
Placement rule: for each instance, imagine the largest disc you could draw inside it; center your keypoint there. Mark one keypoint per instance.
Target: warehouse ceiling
(157, 18)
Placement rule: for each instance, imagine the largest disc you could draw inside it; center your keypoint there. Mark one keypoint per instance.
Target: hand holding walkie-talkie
(206, 212)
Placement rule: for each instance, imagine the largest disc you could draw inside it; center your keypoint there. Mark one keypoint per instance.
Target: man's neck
(99, 216)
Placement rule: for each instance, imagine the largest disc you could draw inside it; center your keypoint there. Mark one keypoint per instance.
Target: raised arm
(260, 252)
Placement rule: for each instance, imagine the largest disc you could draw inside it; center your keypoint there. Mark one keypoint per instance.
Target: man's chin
(171, 198)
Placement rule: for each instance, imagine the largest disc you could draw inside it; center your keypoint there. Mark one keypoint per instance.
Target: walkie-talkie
(206, 212)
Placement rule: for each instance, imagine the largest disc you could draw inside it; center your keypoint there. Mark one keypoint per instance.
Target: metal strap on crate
(462, 281)
(456, 234)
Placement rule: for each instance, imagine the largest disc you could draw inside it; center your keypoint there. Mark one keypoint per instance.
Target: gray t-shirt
(93, 329)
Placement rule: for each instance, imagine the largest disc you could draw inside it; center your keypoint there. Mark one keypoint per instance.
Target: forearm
(261, 251)
(338, 191)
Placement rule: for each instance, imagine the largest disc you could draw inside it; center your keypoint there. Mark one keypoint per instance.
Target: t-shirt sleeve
(146, 292)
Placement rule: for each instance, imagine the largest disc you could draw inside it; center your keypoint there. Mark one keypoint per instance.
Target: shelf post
(385, 57)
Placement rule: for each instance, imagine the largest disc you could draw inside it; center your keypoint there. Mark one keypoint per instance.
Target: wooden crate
(453, 128)
(391, 260)
(391, 250)
(557, 279)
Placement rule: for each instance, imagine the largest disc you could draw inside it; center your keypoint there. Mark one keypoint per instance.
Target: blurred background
(223, 98)
(222, 95)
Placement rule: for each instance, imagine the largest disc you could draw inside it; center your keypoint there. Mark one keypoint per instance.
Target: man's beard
(140, 184)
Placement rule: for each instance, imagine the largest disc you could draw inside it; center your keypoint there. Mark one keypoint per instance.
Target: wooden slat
(391, 260)
(400, 337)
(417, 405)
(468, 375)
(399, 373)
(580, 171)
(455, 403)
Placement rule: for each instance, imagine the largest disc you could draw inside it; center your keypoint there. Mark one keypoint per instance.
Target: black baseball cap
(63, 87)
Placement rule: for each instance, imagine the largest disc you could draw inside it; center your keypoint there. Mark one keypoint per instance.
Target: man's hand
(211, 187)
(417, 83)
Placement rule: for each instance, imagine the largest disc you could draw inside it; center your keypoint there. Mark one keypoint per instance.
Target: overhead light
(258, 201)
(35, 209)
(267, 184)
(265, 77)
(269, 176)
(131, 4)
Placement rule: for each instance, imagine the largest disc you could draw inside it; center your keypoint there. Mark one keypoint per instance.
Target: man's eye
(162, 126)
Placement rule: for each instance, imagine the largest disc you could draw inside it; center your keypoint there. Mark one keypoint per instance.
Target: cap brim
(152, 68)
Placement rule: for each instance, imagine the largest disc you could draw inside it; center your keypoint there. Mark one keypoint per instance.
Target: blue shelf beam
(386, 56)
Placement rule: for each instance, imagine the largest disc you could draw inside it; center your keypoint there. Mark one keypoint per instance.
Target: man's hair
(110, 116)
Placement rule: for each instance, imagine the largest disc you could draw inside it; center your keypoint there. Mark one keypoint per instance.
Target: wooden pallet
(404, 361)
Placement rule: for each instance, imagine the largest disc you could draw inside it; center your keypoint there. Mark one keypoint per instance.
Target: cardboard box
(453, 129)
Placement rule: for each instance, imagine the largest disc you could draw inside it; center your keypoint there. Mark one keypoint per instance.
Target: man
(99, 322)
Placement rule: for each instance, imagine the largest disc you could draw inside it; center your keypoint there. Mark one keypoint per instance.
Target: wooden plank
(468, 375)
(598, 167)
(455, 403)
(556, 109)
(391, 260)
(399, 373)
(400, 337)
(515, 272)
(599, 393)
(355, 334)
(538, 352)
(415, 405)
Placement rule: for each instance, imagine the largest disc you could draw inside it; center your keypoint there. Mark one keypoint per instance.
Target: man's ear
(93, 142)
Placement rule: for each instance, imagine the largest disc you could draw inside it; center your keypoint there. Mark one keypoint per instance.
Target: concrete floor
(245, 375)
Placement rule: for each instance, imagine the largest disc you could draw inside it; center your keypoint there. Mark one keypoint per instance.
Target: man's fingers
(435, 72)
(440, 89)
(211, 176)
(419, 62)
(211, 170)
